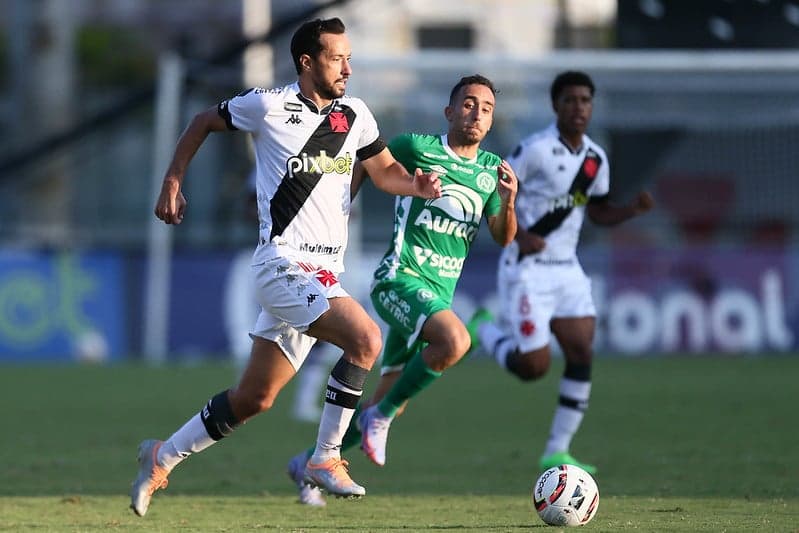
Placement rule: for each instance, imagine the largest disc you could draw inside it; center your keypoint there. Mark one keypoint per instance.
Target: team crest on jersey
(424, 295)
(590, 165)
(338, 122)
(527, 328)
(485, 182)
(326, 278)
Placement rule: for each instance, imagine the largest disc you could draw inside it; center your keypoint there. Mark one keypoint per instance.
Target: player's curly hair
(474, 79)
(570, 78)
(306, 39)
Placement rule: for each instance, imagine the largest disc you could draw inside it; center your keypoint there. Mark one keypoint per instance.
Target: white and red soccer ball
(566, 496)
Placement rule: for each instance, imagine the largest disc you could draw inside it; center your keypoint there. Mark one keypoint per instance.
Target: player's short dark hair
(568, 79)
(306, 39)
(474, 79)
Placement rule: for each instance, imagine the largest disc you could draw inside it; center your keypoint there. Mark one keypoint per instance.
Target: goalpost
(159, 242)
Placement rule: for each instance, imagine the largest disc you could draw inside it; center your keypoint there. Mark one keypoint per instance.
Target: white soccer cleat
(374, 434)
(309, 495)
(151, 477)
(332, 476)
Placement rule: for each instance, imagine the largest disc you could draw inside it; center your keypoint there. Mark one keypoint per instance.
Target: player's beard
(469, 136)
(330, 91)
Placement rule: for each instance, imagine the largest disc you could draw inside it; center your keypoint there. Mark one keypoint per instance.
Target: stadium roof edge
(638, 60)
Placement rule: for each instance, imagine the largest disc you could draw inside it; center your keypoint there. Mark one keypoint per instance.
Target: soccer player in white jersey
(307, 136)
(563, 175)
(415, 281)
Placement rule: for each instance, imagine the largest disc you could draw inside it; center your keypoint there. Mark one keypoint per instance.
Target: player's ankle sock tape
(218, 417)
(350, 376)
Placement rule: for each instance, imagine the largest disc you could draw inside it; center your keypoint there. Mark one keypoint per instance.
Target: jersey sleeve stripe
(371, 150)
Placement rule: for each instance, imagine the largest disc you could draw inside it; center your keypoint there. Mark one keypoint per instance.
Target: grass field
(682, 444)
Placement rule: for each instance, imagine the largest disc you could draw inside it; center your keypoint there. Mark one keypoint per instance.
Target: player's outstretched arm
(503, 225)
(171, 203)
(605, 214)
(390, 176)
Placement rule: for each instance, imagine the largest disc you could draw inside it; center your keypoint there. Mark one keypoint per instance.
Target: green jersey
(432, 237)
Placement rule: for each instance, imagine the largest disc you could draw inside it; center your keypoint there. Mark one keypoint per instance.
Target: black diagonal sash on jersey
(292, 193)
(585, 176)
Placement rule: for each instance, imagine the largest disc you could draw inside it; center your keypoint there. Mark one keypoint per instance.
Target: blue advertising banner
(88, 306)
(684, 300)
(61, 306)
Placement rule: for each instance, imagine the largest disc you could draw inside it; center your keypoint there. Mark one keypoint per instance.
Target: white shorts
(292, 294)
(533, 293)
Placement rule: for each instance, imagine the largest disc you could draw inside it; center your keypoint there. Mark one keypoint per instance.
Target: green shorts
(404, 303)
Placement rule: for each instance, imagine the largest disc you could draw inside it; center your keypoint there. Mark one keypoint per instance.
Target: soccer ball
(566, 495)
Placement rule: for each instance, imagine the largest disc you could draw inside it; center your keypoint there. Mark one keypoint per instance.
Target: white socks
(495, 342)
(189, 439)
(567, 419)
(335, 421)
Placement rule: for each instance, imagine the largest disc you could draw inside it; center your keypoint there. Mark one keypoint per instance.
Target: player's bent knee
(462, 343)
(457, 343)
(365, 344)
(372, 342)
(528, 367)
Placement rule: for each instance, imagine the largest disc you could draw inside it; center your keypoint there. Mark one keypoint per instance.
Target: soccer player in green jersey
(415, 281)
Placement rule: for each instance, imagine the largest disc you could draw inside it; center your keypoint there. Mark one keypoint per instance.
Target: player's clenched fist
(171, 204)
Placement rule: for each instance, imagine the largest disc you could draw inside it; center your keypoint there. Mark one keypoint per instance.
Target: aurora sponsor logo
(447, 226)
(457, 212)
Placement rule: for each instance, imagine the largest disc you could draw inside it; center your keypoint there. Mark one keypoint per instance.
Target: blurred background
(696, 102)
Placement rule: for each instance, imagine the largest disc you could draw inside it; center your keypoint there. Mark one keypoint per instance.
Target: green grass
(682, 444)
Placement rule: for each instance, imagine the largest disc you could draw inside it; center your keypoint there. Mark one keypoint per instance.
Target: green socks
(416, 376)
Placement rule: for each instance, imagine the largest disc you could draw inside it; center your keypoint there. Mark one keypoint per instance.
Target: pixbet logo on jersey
(567, 201)
(321, 164)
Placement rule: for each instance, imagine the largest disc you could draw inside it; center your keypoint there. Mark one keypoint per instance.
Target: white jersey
(304, 159)
(555, 184)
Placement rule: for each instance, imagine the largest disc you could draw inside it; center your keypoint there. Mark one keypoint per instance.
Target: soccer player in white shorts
(307, 136)
(563, 175)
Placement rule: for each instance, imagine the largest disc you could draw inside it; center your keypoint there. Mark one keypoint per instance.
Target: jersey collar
(445, 144)
(566, 145)
(310, 104)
